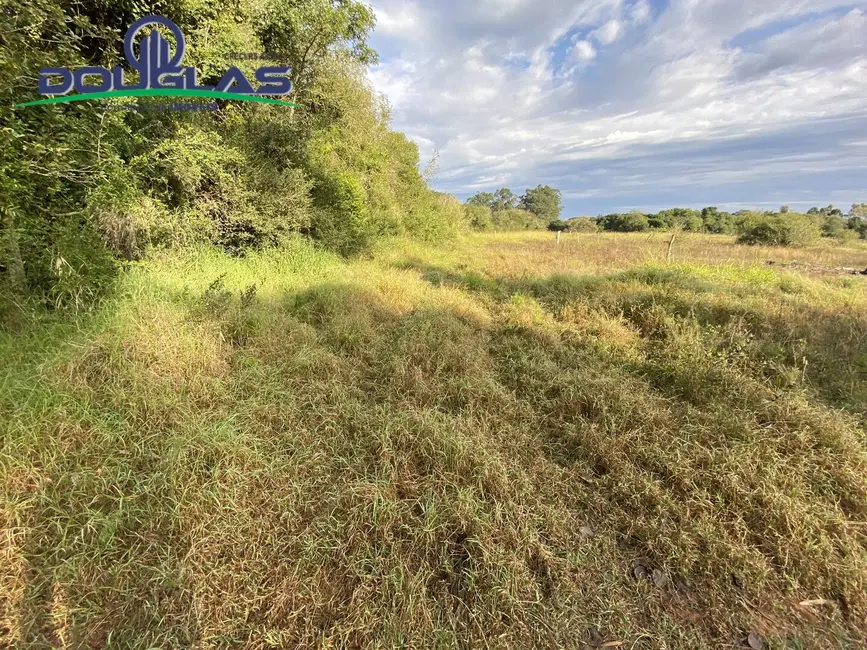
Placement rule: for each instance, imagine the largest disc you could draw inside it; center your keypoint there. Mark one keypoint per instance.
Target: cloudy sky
(627, 104)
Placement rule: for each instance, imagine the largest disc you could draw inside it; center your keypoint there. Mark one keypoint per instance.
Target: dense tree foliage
(534, 210)
(82, 185)
(543, 201)
(774, 228)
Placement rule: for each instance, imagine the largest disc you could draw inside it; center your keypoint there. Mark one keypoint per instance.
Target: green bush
(433, 216)
(479, 217)
(518, 219)
(720, 223)
(582, 224)
(774, 229)
(341, 219)
(859, 225)
(678, 218)
(833, 226)
(629, 222)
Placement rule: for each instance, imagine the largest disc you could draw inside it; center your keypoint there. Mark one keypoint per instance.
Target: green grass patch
(291, 450)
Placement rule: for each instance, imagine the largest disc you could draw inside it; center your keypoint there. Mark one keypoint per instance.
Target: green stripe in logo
(157, 92)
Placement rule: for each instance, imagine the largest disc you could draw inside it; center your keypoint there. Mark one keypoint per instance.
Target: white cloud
(498, 88)
(584, 51)
(608, 33)
(639, 12)
(402, 20)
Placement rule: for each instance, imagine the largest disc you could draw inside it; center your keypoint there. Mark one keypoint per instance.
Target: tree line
(504, 210)
(541, 208)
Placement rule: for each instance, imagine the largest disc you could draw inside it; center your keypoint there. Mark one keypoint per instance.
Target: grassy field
(499, 443)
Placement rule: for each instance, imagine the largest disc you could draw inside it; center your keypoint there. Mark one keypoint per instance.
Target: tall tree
(858, 210)
(504, 199)
(481, 198)
(543, 201)
(306, 31)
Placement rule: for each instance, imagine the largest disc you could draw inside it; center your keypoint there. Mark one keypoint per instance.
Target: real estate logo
(160, 74)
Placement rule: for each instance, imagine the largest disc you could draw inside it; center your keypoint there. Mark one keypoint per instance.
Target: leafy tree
(833, 226)
(859, 225)
(80, 185)
(481, 198)
(503, 199)
(716, 221)
(681, 219)
(858, 210)
(582, 224)
(517, 219)
(775, 229)
(629, 222)
(308, 32)
(543, 201)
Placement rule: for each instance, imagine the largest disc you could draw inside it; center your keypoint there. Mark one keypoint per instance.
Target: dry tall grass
(503, 444)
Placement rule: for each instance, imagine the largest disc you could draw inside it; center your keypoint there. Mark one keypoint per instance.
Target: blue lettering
(47, 88)
(235, 76)
(273, 80)
(81, 84)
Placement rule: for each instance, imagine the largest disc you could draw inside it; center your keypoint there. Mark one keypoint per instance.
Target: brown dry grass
(500, 444)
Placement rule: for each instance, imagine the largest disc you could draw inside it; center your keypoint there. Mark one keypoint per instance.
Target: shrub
(833, 226)
(518, 219)
(433, 216)
(629, 222)
(720, 223)
(341, 220)
(859, 225)
(582, 224)
(774, 229)
(479, 217)
(679, 218)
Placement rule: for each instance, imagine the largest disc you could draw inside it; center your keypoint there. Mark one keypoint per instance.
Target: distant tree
(813, 211)
(784, 209)
(833, 226)
(775, 229)
(504, 199)
(517, 219)
(716, 221)
(582, 224)
(544, 202)
(859, 225)
(481, 198)
(631, 222)
(858, 210)
(829, 211)
(680, 219)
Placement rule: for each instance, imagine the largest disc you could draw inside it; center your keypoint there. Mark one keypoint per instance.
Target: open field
(499, 443)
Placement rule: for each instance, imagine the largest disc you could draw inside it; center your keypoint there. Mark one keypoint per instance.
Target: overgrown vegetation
(83, 186)
(443, 447)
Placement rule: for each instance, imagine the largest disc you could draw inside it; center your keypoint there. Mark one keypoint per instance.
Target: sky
(633, 104)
